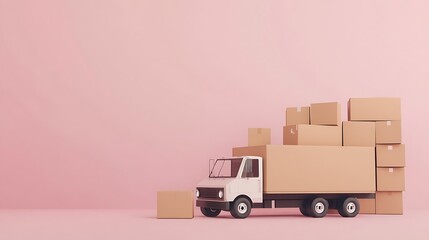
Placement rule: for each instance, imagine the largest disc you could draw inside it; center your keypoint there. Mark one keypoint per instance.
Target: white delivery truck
(311, 178)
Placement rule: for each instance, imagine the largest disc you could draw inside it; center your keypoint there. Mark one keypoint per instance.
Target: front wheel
(210, 212)
(349, 207)
(241, 208)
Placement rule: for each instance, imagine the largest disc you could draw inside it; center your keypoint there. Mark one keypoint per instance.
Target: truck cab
(234, 184)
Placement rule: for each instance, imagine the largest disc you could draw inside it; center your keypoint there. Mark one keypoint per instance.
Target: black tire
(210, 212)
(241, 208)
(303, 209)
(349, 207)
(317, 207)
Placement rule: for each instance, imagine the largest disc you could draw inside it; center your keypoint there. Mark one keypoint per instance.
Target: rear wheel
(241, 208)
(303, 209)
(349, 207)
(317, 207)
(210, 212)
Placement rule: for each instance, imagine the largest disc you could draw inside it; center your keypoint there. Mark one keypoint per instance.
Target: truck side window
(251, 169)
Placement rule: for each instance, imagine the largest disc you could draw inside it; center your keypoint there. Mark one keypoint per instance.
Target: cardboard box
(390, 155)
(315, 169)
(297, 115)
(388, 132)
(325, 114)
(359, 134)
(367, 205)
(374, 109)
(389, 203)
(175, 204)
(390, 179)
(312, 135)
(259, 136)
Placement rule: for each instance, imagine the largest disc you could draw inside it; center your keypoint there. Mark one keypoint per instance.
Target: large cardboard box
(315, 169)
(175, 204)
(297, 115)
(390, 155)
(312, 135)
(388, 132)
(359, 134)
(325, 114)
(374, 109)
(259, 136)
(390, 179)
(367, 205)
(389, 203)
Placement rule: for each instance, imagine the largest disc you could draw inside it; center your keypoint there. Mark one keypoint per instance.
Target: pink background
(103, 103)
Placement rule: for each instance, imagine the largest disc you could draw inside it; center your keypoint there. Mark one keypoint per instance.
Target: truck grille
(209, 192)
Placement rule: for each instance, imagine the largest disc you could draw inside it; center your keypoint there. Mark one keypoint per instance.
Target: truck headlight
(197, 193)
(220, 194)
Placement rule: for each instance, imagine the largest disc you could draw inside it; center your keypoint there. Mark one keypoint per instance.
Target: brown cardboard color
(259, 136)
(390, 155)
(296, 115)
(390, 179)
(367, 205)
(325, 114)
(359, 134)
(312, 135)
(315, 169)
(389, 203)
(374, 109)
(388, 132)
(175, 204)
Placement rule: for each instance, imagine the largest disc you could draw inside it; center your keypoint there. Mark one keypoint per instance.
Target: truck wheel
(317, 207)
(241, 208)
(210, 212)
(349, 207)
(303, 209)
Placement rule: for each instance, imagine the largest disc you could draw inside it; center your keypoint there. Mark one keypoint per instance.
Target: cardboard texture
(359, 134)
(389, 203)
(325, 114)
(297, 115)
(388, 132)
(374, 109)
(175, 204)
(259, 136)
(367, 205)
(390, 155)
(315, 169)
(390, 179)
(312, 135)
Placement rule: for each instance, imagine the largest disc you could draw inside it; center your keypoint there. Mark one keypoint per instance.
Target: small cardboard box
(367, 205)
(175, 204)
(390, 179)
(374, 109)
(259, 136)
(390, 155)
(325, 114)
(388, 132)
(312, 135)
(389, 203)
(297, 115)
(359, 134)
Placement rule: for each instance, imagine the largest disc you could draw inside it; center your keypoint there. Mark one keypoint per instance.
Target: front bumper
(213, 204)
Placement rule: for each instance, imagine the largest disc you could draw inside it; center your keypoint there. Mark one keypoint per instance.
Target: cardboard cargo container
(312, 135)
(389, 203)
(297, 115)
(390, 179)
(359, 134)
(259, 136)
(315, 169)
(374, 109)
(175, 204)
(325, 114)
(390, 155)
(367, 205)
(388, 132)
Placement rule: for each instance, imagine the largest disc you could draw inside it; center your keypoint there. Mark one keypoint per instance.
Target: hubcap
(319, 207)
(242, 208)
(212, 210)
(351, 207)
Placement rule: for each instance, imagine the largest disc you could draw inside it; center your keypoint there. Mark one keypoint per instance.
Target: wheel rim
(351, 207)
(242, 208)
(212, 210)
(319, 207)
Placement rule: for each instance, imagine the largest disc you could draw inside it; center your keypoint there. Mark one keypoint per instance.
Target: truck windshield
(225, 168)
